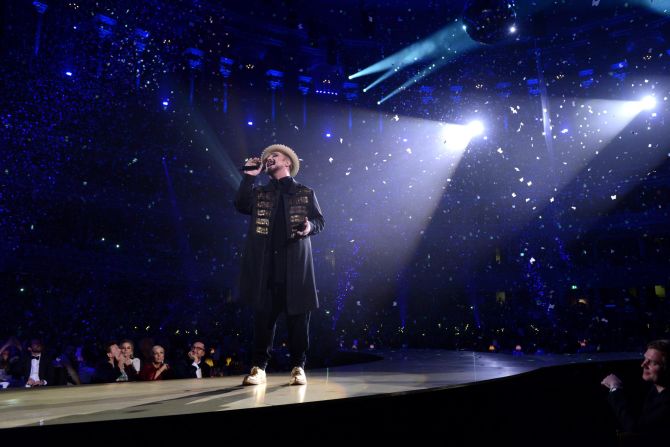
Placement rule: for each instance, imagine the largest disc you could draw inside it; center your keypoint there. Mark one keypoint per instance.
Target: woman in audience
(157, 369)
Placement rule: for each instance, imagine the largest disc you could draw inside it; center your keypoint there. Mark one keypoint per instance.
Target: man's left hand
(305, 231)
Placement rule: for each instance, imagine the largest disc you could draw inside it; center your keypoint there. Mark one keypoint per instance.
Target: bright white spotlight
(512, 29)
(475, 128)
(454, 138)
(648, 103)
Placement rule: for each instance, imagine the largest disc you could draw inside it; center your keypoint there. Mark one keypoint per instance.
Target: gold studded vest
(298, 206)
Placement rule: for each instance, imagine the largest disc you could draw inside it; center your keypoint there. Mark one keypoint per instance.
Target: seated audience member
(653, 420)
(111, 369)
(35, 368)
(157, 369)
(128, 351)
(195, 366)
(8, 357)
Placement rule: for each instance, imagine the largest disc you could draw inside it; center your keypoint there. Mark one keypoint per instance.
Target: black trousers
(265, 323)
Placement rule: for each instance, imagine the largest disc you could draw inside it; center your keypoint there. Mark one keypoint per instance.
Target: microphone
(301, 226)
(250, 168)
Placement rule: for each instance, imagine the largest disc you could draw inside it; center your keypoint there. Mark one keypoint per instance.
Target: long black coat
(261, 203)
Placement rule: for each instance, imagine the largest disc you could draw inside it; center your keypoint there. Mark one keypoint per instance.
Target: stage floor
(399, 371)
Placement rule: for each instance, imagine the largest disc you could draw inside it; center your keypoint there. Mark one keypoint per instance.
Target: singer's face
(276, 161)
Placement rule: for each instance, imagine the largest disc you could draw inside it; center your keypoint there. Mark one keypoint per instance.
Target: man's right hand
(611, 381)
(253, 162)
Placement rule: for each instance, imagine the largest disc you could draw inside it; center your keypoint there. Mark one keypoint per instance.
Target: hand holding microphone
(253, 166)
(304, 228)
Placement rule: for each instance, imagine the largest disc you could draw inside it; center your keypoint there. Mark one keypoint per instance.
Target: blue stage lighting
(328, 135)
(68, 73)
(141, 37)
(350, 90)
(426, 92)
(40, 7)
(587, 76)
(105, 25)
(304, 84)
(194, 57)
(275, 79)
(225, 66)
(618, 69)
(504, 89)
(250, 123)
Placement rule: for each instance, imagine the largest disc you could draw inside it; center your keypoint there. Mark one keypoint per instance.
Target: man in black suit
(195, 367)
(35, 368)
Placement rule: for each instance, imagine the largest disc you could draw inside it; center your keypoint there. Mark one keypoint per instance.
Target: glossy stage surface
(396, 373)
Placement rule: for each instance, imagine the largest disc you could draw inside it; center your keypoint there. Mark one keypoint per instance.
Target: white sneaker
(256, 377)
(298, 376)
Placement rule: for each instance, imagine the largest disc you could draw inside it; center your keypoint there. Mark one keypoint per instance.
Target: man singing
(277, 273)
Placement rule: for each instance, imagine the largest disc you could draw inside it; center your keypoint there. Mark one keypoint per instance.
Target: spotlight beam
(386, 75)
(447, 42)
(432, 68)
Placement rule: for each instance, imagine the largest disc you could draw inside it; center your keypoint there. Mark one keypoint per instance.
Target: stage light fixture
(647, 103)
(475, 128)
(304, 84)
